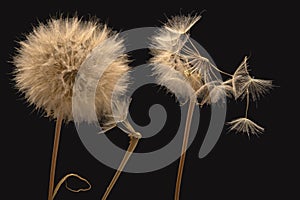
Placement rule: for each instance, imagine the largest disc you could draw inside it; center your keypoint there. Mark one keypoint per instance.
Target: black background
(237, 168)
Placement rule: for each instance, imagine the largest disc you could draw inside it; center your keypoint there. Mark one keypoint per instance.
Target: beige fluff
(48, 60)
(178, 65)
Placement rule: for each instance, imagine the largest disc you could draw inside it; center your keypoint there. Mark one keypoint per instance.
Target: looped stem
(52, 192)
(64, 179)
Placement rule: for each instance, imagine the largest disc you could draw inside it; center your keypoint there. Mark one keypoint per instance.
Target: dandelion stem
(64, 179)
(54, 156)
(133, 143)
(184, 146)
(247, 105)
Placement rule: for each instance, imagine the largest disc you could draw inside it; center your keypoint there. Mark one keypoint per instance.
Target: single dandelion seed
(239, 78)
(245, 125)
(242, 81)
(257, 88)
(181, 24)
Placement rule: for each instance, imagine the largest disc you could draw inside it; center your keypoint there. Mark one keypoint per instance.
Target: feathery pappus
(48, 60)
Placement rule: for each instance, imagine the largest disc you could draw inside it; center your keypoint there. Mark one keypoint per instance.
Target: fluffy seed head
(102, 78)
(49, 58)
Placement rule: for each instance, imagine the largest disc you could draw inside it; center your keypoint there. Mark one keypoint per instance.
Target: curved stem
(54, 156)
(133, 143)
(184, 146)
(247, 105)
(64, 179)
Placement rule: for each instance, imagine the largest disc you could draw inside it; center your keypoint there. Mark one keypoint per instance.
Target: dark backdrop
(237, 168)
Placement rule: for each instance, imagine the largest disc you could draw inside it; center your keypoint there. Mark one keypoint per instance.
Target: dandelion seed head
(171, 47)
(48, 60)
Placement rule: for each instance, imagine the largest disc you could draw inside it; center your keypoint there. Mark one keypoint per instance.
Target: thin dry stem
(247, 105)
(184, 147)
(54, 156)
(132, 145)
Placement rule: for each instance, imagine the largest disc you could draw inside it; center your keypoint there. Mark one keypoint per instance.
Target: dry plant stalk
(179, 66)
(47, 63)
